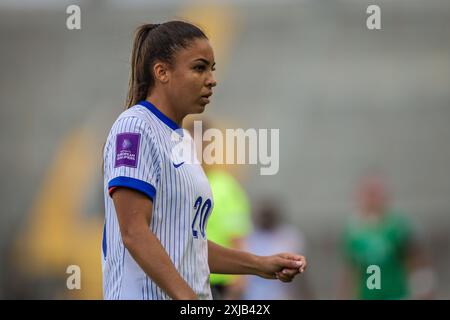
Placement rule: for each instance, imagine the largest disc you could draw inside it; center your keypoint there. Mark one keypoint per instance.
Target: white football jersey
(138, 155)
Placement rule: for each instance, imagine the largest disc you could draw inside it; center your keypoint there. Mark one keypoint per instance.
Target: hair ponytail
(138, 84)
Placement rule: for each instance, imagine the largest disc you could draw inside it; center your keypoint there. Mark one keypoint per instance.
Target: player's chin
(199, 107)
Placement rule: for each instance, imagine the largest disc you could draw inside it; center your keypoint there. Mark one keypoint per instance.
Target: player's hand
(287, 275)
(282, 266)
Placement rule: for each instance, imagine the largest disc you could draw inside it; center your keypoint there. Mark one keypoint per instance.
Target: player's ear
(161, 72)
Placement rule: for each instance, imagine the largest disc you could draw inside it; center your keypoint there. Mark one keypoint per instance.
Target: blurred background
(346, 99)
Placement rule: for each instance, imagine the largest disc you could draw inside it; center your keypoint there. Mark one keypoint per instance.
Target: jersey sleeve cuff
(135, 184)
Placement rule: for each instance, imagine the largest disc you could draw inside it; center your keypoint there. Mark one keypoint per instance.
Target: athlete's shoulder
(133, 118)
(132, 121)
(134, 112)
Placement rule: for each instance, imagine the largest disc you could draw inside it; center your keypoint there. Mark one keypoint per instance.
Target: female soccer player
(154, 242)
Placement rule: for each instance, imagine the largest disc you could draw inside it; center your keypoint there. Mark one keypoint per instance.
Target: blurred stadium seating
(343, 97)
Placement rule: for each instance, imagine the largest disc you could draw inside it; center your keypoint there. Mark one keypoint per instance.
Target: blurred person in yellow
(384, 258)
(229, 223)
(228, 226)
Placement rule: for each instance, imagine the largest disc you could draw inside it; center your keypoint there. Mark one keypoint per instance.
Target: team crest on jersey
(127, 149)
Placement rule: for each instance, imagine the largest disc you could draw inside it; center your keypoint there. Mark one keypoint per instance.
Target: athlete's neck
(163, 105)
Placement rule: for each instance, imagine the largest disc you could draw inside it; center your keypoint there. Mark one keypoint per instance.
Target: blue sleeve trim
(104, 244)
(139, 185)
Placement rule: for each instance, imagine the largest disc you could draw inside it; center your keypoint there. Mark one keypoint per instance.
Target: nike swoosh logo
(178, 165)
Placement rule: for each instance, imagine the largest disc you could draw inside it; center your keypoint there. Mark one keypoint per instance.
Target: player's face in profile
(192, 78)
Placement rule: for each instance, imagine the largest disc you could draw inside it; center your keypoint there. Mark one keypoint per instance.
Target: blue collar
(161, 116)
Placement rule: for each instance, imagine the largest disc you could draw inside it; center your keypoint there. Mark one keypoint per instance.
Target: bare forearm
(151, 256)
(231, 261)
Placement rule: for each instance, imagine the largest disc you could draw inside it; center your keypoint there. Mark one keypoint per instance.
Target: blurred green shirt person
(379, 236)
(382, 243)
(230, 221)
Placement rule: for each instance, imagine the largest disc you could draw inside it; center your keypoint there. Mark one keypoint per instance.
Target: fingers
(284, 277)
(296, 261)
(284, 266)
(292, 264)
(287, 275)
(291, 256)
(304, 264)
(290, 273)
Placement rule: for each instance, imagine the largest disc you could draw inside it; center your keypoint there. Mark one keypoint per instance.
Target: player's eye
(200, 67)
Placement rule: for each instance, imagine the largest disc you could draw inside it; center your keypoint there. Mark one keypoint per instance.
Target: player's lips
(204, 100)
(205, 97)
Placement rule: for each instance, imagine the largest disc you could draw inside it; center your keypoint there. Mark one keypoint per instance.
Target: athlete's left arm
(282, 266)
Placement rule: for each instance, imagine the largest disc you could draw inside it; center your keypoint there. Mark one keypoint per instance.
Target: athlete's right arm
(134, 212)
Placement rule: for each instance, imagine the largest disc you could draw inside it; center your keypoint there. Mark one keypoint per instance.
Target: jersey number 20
(201, 214)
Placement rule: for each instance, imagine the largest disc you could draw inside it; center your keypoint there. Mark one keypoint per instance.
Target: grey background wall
(344, 98)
